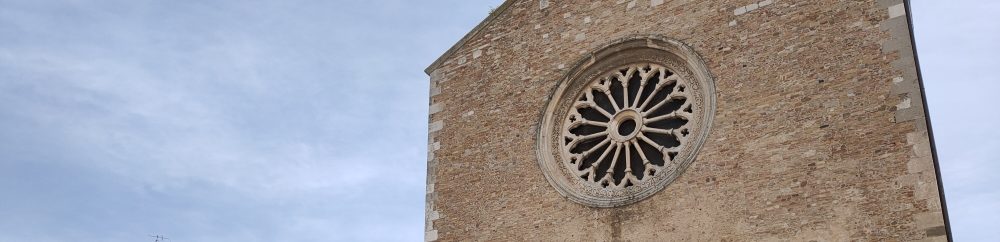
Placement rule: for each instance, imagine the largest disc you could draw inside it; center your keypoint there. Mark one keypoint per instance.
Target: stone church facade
(683, 120)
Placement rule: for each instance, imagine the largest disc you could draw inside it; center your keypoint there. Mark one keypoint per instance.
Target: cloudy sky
(305, 120)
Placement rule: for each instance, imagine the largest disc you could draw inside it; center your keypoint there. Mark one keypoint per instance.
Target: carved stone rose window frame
(626, 121)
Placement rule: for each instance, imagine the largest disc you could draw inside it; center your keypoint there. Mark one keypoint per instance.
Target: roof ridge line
(454, 48)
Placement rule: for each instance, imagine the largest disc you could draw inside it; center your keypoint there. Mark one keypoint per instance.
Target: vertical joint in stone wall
(910, 108)
(431, 213)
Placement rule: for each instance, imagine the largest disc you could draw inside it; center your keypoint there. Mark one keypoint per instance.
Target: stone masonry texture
(819, 133)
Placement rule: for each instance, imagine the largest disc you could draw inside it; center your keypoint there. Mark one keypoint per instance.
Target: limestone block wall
(819, 133)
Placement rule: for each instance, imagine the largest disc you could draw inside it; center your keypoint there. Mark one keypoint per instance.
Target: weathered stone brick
(819, 132)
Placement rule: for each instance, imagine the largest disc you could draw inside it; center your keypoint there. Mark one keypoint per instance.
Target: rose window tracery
(627, 125)
(625, 121)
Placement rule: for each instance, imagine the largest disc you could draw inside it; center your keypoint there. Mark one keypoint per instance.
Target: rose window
(627, 125)
(625, 121)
